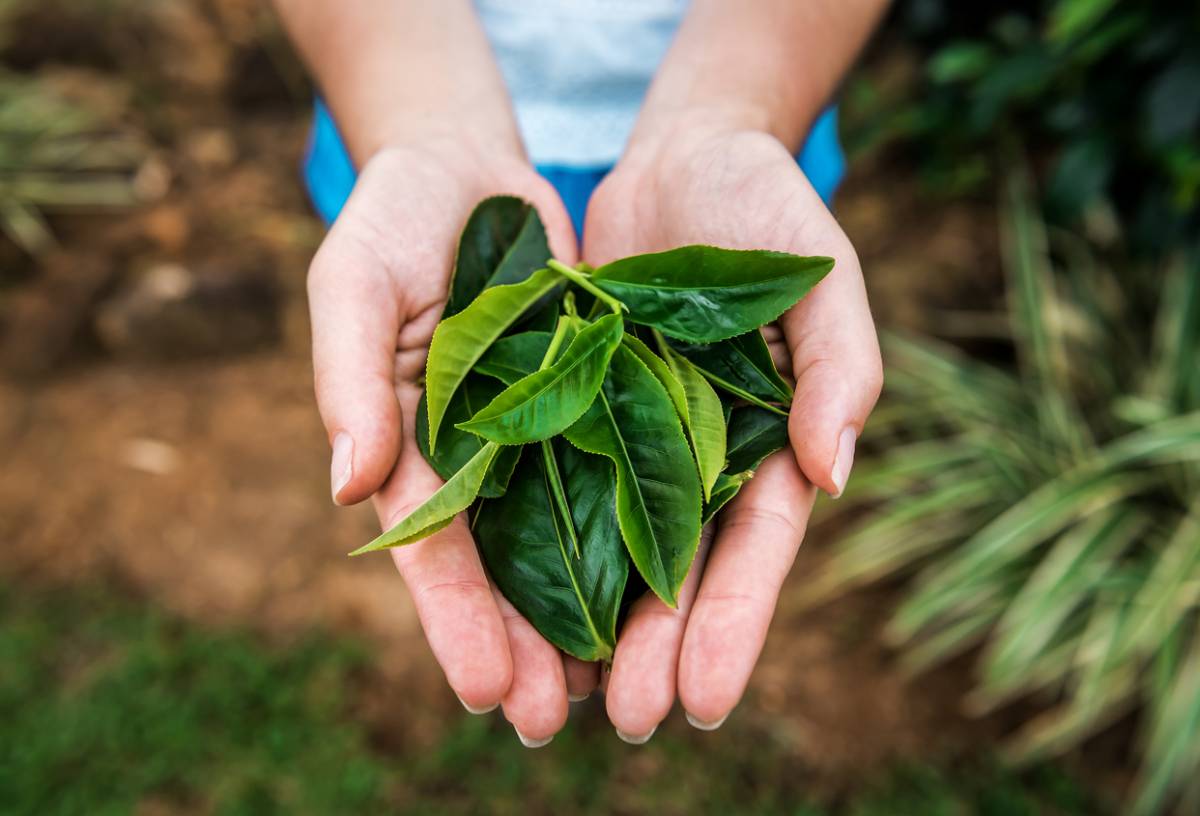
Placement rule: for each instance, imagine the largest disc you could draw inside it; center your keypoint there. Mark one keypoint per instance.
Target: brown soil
(203, 483)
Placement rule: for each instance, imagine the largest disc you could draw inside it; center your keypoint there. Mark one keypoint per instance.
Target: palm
(740, 190)
(377, 288)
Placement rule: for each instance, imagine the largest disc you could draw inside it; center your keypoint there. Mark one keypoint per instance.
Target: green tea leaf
(547, 401)
(659, 368)
(703, 418)
(457, 446)
(724, 489)
(572, 601)
(439, 509)
(754, 434)
(633, 423)
(741, 365)
(459, 341)
(513, 357)
(703, 294)
(503, 242)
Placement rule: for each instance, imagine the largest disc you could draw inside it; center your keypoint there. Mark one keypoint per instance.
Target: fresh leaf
(513, 357)
(659, 368)
(703, 294)
(725, 488)
(572, 601)
(439, 509)
(633, 422)
(459, 341)
(703, 418)
(503, 242)
(741, 365)
(457, 446)
(754, 434)
(547, 401)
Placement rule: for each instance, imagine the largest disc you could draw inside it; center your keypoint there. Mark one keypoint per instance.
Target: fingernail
(636, 739)
(475, 709)
(844, 460)
(706, 726)
(341, 466)
(532, 743)
(578, 698)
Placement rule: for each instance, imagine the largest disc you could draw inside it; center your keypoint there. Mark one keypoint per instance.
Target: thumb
(835, 360)
(355, 309)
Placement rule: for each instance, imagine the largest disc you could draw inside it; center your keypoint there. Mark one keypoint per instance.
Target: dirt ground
(201, 482)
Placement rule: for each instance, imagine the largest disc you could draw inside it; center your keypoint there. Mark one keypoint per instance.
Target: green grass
(107, 705)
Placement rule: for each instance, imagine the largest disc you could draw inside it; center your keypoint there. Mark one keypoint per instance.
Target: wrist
(439, 134)
(666, 139)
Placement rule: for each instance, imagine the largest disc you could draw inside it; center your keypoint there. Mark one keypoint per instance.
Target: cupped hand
(741, 189)
(376, 288)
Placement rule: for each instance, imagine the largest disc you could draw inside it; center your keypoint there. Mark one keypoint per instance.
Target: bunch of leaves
(1103, 92)
(589, 418)
(57, 154)
(1047, 512)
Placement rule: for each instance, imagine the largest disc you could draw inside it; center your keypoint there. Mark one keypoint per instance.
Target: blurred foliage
(104, 706)
(1106, 92)
(1048, 511)
(107, 707)
(56, 154)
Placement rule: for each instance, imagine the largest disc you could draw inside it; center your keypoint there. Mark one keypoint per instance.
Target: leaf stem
(556, 341)
(559, 493)
(583, 280)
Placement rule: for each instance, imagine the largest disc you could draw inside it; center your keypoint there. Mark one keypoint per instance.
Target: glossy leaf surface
(544, 403)
(503, 242)
(704, 419)
(572, 601)
(703, 294)
(741, 365)
(754, 434)
(452, 498)
(726, 487)
(459, 341)
(659, 368)
(633, 423)
(513, 357)
(457, 447)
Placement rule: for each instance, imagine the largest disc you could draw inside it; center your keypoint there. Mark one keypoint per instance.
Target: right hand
(376, 289)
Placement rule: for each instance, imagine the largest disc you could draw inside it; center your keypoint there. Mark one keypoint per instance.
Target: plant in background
(55, 155)
(576, 412)
(1104, 92)
(1047, 514)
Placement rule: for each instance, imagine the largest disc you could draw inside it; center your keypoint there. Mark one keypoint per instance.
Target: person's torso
(577, 70)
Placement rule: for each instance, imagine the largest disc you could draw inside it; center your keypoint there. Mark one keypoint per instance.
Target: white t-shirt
(577, 70)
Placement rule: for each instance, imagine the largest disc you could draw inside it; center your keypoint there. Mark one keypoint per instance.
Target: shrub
(1103, 92)
(1046, 511)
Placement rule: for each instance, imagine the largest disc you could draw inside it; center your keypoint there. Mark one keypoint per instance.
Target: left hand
(705, 184)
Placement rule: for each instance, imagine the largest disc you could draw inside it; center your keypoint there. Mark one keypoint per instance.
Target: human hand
(708, 184)
(376, 288)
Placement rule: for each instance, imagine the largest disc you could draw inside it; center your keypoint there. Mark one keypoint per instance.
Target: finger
(582, 678)
(536, 703)
(449, 587)
(757, 539)
(641, 684)
(834, 356)
(355, 310)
